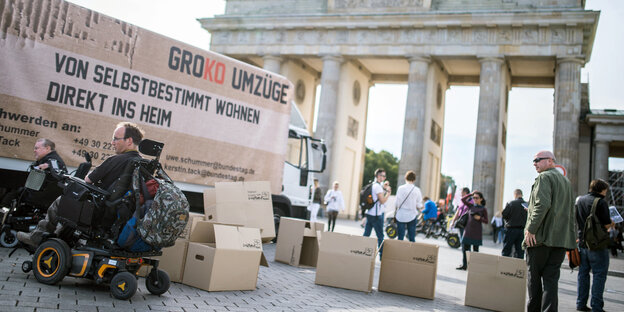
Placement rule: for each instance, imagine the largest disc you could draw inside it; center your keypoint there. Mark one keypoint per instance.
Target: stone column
(601, 160)
(414, 126)
(567, 114)
(488, 124)
(272, 63)
(326, 120)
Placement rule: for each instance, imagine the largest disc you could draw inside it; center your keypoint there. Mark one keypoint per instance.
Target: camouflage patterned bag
(166, 218)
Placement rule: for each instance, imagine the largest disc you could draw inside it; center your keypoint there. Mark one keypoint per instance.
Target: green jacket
(551, 211)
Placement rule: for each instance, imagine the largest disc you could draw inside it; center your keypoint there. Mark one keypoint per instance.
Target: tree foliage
(445, 182)
(385, 160)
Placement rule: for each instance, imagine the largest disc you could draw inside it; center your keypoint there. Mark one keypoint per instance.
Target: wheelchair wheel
(123, 285)
(8, 239)
(52, 261)
(157, 282)
(391, 230)
(453, 240)
(27, 266)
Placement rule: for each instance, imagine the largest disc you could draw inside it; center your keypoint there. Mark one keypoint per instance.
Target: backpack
(166, 219)
(594, 234)
(366, 197)
(159, 221)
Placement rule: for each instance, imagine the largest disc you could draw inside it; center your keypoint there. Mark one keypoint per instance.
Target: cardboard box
(492, 278)
(223, 257)
(246, 203)
(346, 261)
(172, 261)
(409, 268)
(297, 242)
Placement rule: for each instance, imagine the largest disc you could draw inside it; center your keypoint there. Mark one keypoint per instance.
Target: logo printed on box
(255, 244)
(428, 259)
(255, 195)
(366, 252)
(518, 274)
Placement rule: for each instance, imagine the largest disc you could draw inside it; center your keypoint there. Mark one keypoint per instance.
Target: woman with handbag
(409, 202)
(473, 232)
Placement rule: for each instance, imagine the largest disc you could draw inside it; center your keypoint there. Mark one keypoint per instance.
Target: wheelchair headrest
(150, 147)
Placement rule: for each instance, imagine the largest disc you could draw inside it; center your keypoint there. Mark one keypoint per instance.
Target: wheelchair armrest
(100, 191)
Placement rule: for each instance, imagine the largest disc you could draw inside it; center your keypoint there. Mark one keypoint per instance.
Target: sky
(530, 122)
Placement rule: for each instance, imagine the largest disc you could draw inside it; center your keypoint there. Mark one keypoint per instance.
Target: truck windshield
(296, 155)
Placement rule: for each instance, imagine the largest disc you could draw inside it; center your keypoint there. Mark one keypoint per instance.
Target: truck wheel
(52, 261)
(278, 213)
(8, 239)
(123, 285)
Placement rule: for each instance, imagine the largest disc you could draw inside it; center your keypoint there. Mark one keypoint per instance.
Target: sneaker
(584, 308)
(32, 239)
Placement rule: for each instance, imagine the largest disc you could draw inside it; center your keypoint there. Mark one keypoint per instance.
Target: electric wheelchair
(85, 245)
(32, 201)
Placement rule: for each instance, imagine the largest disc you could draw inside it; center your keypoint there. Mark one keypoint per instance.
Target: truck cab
(305, 156)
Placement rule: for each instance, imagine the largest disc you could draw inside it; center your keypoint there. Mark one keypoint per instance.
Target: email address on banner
(210, 164)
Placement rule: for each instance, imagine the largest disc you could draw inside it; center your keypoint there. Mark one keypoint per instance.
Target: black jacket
(514, 214)
(50, 189)
(583, 209)
(53, 160)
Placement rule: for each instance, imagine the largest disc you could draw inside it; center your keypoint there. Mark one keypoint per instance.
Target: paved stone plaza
(280, 288)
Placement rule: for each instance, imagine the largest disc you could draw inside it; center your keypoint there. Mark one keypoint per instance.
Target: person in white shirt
(408, 205)
(375, 215)
(335, 203)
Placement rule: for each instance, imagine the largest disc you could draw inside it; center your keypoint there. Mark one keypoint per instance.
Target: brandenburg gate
(347, 46)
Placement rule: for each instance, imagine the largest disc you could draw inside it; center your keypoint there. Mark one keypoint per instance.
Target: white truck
(70, 74)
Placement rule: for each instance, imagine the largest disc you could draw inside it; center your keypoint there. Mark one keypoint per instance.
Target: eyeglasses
(382, 175)
(536, 160)
(117, 139)
(476, 197)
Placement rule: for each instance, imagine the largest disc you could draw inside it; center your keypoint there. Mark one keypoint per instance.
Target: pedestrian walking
(317, 198)
(335, 204)
(375, 215)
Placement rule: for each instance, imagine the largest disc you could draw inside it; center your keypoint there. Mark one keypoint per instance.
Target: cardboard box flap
(210, 204)
(312, 227)
(247, 203)
(417, 253)
(263, 260)
(338, 243)
(203, 232)
(253, 191)
(487, 264)
(237, 238)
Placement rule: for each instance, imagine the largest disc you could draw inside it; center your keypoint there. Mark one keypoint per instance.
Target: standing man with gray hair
(515, 216)
(549, 231)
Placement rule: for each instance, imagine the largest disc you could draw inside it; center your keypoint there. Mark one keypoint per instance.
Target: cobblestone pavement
(280, 287)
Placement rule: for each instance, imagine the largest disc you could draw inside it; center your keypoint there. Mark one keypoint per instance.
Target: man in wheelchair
(46, 159)
(111, 175)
